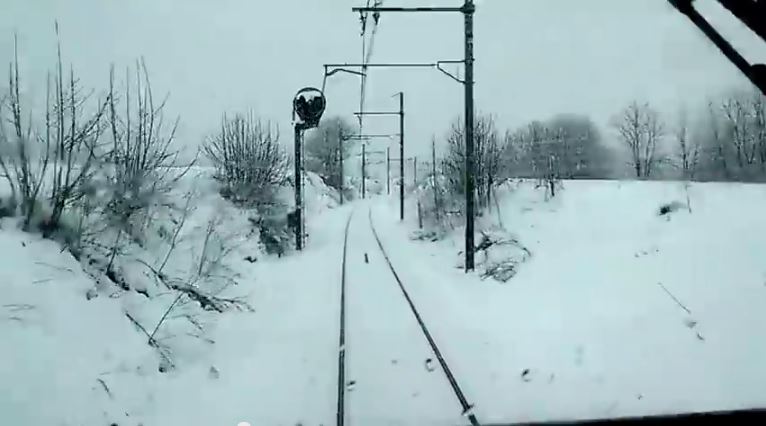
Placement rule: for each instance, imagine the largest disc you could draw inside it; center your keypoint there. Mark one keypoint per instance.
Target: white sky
(534, 58)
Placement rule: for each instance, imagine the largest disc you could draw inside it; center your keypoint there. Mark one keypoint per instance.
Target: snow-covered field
(586, 328)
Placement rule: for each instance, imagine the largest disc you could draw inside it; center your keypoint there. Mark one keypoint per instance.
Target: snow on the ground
(393, 375)
(70, 358)
(57, 345)
(585, 329)
(276, 366)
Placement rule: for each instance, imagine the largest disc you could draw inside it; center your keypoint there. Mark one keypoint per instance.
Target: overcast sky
(534, 58)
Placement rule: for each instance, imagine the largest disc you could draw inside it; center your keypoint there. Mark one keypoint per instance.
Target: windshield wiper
(752, 13)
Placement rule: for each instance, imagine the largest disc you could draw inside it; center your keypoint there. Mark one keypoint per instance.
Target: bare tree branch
(641, 129)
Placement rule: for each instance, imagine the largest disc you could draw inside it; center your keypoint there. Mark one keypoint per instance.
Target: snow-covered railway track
(382, 378)
(465, 405)
(340, 413)
(381, 374)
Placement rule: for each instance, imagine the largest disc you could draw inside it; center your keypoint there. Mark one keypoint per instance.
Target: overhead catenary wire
(363, 80)
(367, 49)
(366, 56)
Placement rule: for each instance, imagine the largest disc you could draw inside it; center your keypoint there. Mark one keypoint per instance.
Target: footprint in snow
(213, 373)
(526, 375)
(430, 365)
(691, 323)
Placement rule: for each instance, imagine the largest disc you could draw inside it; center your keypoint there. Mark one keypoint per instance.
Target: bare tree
(140, 168)
(745, 127)
(554, 159)
(489, 149)
(487, 159)
(66, 147)
(529, 151)
(714, 152)
(143, 165)
(24, 174)
(74, 139)
(541, 154)
(735, 142)
(579, 147)
(737, 115)
(248, 158)
(324, 149)
(641, 129)
(535, 143)
(688, 151)
(512, 154)
(759, 124)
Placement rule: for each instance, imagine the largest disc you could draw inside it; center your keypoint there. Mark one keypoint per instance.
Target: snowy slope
(276, 366)
(70, 347)
(585, 329)
(57, 345)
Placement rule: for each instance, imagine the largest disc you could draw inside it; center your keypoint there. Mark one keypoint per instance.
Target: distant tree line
(725, 143)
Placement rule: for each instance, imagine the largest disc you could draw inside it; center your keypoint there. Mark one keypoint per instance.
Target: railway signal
(308, 105)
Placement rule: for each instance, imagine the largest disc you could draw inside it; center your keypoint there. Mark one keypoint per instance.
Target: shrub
(250, 164)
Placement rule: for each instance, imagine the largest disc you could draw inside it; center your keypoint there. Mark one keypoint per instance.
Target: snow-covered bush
(136, 215)
(498, 254)
(251, 167)
(102, 178)
(142, 167)
(249, 161)
(128, 184)
(274, 229)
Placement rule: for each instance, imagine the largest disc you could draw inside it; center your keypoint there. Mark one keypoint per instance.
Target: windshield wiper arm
(747, 11)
